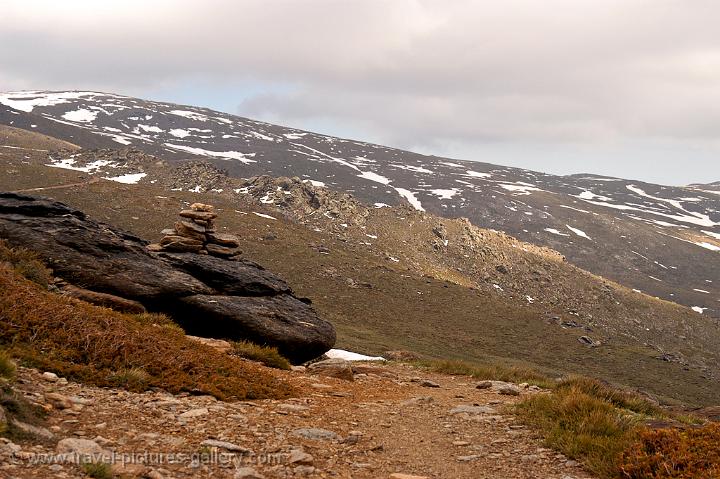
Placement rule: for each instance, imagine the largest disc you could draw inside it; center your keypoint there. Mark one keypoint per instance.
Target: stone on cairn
(195, 233)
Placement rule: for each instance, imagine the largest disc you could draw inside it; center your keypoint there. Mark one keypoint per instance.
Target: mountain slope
(664, 241)
(396, 278)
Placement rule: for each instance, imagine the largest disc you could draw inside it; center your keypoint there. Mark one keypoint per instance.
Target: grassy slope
(102, 347)
(445, 321)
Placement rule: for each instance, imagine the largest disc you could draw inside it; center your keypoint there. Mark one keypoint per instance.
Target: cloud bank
(629, 88)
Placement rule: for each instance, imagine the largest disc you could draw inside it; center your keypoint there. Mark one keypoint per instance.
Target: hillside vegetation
(102, 347)
(429, 301)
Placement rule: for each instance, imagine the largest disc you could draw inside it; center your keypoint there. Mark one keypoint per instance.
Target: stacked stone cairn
(195, 233)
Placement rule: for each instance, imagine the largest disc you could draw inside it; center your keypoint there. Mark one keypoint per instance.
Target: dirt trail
(59, 187)
(385, 422)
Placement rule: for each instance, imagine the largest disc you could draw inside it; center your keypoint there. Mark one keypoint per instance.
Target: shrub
(98, 470)
(99, 346)
(581, 426)
(26, 264)
(134, 379)
(673, 454)
(266, 355)
(7, 366)
(16, 407)
(619, 398)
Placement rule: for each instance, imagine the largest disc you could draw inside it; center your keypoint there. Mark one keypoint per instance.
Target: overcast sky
(628, 88)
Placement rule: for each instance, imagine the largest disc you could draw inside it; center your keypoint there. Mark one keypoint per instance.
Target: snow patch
(227, 155)
(709, 246)
(350, 356)
(410, 196)
(369, 175)
(556, 232)
(82, 115)
(190, 114)
(261, 215)
(578, 232)
(445, 194)
(129, 179)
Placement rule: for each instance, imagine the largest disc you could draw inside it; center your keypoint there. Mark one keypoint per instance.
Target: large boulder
(208, 296)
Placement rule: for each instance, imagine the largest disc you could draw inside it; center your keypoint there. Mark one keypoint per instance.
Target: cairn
(195, 233)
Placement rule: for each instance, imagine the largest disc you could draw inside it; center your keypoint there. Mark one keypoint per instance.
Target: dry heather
(674, 454)
(102, 347)
(604, 428)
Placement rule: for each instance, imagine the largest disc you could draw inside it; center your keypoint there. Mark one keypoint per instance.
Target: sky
(627, 88)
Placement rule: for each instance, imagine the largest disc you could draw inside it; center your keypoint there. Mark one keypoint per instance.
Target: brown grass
(581, 426)
(592, 421)
(674, 454)
(105, 348)
(25, 263)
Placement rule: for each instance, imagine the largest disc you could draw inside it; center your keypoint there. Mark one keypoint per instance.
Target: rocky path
(59, 187)
(393, 421)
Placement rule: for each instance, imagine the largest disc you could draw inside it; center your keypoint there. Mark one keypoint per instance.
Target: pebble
(194, 413)
(228, 446)
(509, 390)
(472, 410)
(247, 473)
(316, 434)
(300, 457)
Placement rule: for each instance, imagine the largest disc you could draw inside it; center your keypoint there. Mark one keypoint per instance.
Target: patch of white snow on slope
(179, 133)
(556, 232)
(350, 356)
(82, 115)
(698, 309)
(477, 174)
(369, 175)
(227, 155)
(445, 194)
(129, 179)
(578, 232)
(410, 196)
(262, 215)
(709, 246)
(27, 100)
(190, 114)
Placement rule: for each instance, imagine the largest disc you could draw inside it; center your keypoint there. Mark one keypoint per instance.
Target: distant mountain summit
(662, 240)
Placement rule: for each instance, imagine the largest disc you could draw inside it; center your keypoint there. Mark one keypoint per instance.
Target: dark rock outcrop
(208, 296)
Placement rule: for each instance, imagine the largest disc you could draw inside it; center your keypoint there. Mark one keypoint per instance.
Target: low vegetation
(673, 454)
(7, 367)
(604, 427)
(98, 470)
(105, 348)
(495, 372)
(13, 406)
(25, 263)
(579, 419)
(267, 355)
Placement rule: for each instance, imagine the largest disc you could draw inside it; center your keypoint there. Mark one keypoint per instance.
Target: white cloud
(551, 79)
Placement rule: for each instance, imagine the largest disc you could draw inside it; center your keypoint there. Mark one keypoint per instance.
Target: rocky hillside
(657, 239)
(387, 277)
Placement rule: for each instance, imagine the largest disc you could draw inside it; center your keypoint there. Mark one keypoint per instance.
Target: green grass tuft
(133, 379)
(269, 356)
(26, 264)
(7, 366)
(98, 470)
(495, 372)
